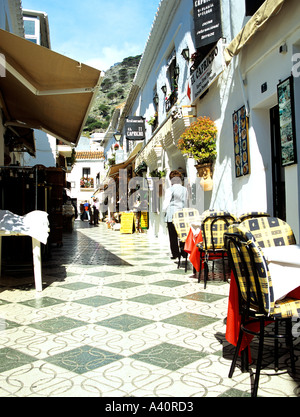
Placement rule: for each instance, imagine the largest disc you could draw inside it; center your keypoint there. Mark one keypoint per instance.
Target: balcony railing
(171, 100)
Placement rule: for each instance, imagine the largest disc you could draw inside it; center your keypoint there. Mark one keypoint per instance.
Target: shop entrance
(278, 175)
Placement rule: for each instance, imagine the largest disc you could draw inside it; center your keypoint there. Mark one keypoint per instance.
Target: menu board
(127, 223)
(144, 220)
(241, 142)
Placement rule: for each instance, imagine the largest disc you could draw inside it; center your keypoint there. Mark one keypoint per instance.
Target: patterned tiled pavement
(116, 318)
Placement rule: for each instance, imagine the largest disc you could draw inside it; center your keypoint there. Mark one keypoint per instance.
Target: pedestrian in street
(96, 207)
(86, 207)
(175, 199)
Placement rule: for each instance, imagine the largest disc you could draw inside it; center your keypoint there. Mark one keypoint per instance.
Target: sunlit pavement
(116, 318)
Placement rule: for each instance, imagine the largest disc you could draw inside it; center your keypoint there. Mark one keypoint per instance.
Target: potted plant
(199, 142)
(153, 119)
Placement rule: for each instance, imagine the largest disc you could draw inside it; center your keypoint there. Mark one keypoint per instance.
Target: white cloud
(112, 55)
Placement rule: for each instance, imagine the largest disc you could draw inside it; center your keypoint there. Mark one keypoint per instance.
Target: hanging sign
(207, 72)
(207, 20)
(135, 128)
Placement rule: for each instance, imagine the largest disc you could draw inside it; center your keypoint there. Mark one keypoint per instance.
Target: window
(86, 181)
(252, 6)
(172, 75)
(32, 29)
(86, 172)
(29, 26)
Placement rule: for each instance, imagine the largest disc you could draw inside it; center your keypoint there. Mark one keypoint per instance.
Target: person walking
(87, 210)
(96, 207)
(175, 199)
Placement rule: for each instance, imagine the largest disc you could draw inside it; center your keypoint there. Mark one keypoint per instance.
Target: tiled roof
(89, 155)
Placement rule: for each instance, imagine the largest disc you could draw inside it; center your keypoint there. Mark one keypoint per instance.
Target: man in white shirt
(175, 199)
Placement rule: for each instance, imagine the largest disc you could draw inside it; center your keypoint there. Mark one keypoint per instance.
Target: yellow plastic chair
(182, 220)
(254, 282)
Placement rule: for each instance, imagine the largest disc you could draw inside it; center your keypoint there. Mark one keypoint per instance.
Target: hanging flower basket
(199, 141)
(205, 172)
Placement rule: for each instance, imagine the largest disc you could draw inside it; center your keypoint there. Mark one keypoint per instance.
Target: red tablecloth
(234, 318)
(191, 248)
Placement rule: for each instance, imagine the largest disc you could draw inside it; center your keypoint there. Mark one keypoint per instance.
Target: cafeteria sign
(135, 128)
(207, 72)
(207, 20)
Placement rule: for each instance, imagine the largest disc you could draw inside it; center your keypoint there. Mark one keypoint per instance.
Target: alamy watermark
(144, 194)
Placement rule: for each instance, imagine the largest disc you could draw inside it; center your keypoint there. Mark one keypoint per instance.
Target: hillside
(113, 91)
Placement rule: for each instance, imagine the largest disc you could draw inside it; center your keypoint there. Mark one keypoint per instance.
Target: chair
(270, 231)
(252, 214)
(256, 299)
(182, 221)
(213, 226)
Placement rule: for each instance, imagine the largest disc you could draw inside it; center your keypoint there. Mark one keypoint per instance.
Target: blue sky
(97, 32)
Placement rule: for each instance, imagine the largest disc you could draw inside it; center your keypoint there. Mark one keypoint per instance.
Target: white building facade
(255, 54)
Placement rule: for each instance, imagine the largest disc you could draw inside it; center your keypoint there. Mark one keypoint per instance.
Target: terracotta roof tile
(89, 155)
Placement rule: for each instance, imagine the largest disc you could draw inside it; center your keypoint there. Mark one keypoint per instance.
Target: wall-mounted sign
(207, 72)
(135, 128)
(241, 142)
(207, 21)
(285, 92)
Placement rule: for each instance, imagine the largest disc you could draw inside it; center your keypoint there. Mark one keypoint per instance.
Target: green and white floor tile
(116, 318)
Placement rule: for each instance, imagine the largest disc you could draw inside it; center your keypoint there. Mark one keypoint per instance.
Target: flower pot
(205, 172)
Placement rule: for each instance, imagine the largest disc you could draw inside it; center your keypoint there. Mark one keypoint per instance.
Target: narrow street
(117, 318)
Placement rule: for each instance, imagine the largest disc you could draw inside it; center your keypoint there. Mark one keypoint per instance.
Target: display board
(127, 223)
(144, 220)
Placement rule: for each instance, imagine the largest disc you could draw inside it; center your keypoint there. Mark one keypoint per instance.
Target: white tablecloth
(196, 227)
(34, 224)
(284, 266)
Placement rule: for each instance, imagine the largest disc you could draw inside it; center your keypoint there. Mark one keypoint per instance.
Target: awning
(256, 23)
(114, 170)
(44, 90)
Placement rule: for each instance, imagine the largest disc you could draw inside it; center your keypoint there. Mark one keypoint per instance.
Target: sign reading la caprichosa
(207, 71)
(135, 128)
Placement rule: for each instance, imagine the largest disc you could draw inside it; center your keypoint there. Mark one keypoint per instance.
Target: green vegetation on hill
(113, 91)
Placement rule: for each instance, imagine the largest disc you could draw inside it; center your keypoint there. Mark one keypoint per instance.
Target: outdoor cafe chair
(252, 214)
(256, 298)
(182, 221)
(270, 231)
(213, 226)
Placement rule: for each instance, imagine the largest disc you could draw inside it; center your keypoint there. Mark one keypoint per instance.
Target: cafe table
(35, 224)
(194, 237)
(284, 266)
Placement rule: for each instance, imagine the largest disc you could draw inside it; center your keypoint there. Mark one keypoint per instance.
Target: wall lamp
(186, 54)
(117, 136)
(164, 89)
(176, 71)
(155, 99)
